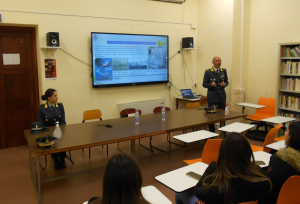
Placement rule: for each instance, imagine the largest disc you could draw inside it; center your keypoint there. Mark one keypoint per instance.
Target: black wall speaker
(53, 39)
(187, 42)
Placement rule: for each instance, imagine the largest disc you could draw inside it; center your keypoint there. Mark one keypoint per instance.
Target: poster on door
(50, 69)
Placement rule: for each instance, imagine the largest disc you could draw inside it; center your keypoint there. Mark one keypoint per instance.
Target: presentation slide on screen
(119, 58)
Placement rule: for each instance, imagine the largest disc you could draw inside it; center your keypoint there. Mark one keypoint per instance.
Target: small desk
(179, 98)
(177, 179)
(277, 145)
(154, 196)
(262, 156)
(278, 119)
(250, 105)
(195, 136)
(236, 127)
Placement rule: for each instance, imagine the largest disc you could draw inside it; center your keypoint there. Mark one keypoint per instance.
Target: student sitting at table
(122, 182)
(235, 178)
(285, 163)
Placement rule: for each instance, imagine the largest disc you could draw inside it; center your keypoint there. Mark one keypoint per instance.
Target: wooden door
(18, 84)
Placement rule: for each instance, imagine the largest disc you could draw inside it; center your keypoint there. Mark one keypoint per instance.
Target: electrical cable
(75, 57)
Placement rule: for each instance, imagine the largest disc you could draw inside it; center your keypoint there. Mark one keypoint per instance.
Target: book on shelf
(298, 50)
(290, 102)
(292, 51)
(290, 115)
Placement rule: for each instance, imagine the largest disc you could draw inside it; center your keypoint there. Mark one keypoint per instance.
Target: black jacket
(284, 164)
(48, 118)
(241, 190)
(215, 94)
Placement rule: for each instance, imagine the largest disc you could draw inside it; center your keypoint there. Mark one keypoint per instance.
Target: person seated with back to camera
(122, 182)
(234, 178)
(48, 114)
(285, 163)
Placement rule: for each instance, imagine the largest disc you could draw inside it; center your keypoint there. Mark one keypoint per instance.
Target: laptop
(188, 94)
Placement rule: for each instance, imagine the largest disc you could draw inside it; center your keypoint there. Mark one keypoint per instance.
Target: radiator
(145, 106)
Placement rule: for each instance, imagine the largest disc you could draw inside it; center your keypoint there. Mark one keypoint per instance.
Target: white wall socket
(239, 90)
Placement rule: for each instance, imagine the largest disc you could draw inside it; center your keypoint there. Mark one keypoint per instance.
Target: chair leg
(106, 149)
(169, 140)
(89, 152)
(118, 147)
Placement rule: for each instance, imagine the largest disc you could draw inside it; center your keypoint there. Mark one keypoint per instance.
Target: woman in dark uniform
(48, 114)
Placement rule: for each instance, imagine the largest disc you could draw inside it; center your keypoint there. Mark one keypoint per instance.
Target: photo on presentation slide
(137, 63)
(103, 69)
(158, 58)
(119, 64)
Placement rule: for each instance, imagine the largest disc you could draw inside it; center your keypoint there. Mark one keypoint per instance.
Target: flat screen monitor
(129, 59)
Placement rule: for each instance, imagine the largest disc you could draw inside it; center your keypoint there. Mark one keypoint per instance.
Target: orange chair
(289, 192)
(210, 152)
(262, 113)
(277, 139)
(268, 140)
(92, 115)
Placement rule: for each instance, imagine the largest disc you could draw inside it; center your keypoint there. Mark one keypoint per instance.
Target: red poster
(50, 69)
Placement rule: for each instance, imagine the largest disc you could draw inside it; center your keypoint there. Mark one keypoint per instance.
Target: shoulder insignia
(212, 69)
(58, 104)
(46, 105)
(221, 69)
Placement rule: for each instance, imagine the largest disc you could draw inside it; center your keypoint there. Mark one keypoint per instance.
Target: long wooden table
(83, 135)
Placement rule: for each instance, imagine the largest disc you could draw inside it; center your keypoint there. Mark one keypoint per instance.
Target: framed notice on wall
(50, 69)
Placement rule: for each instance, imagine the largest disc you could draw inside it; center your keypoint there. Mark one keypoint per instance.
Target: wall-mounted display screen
(129, 59)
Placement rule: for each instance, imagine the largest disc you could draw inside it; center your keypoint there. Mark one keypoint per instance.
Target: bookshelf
(288, 89)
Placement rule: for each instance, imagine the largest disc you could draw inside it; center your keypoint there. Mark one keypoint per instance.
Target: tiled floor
(16, 185)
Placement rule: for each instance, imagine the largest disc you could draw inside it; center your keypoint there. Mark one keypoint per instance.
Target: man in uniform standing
(215, 80)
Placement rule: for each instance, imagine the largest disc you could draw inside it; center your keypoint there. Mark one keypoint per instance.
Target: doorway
(19, 98)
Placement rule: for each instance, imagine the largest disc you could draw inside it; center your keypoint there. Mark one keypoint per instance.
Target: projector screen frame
(131, 83)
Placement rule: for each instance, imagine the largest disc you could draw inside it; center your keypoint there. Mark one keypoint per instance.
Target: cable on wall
(75, 57)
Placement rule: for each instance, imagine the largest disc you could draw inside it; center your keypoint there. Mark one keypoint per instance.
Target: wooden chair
(289, 192)
(262, 113)
(158, 109)
(210, 152)
(124, 113)
(92, 115)
(268, 140)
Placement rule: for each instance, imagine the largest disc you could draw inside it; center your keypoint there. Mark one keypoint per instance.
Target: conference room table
(85, 135)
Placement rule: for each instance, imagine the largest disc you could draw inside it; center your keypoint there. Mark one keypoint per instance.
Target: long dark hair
(234, 161)
(294, 132)
(47, 94)
(122, 181)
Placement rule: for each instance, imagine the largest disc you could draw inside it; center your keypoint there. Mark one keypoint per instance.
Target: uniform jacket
(284, 164)
(241, 190)
(215, 94)
(48, 118)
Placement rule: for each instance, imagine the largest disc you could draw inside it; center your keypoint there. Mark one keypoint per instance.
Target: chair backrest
(211, 150)
(158, 109)
(192, 105)
(129, 111)
(270, 137)
(289, 192)
(91, 115)
(252, 202)
(269, 110)
(203, 101)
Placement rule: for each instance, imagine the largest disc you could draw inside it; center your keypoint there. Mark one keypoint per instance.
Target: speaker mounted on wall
(188, 42)
(53, 39)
